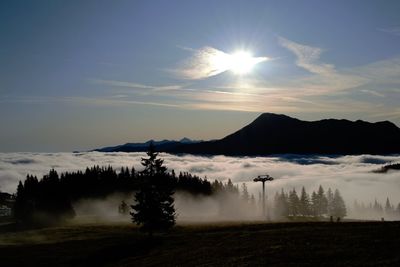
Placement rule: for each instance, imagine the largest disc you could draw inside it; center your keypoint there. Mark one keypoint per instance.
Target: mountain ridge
(272, 133)
(140, 147)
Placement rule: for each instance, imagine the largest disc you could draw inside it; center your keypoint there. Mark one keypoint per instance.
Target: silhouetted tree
(154, 208)
(245, 193)
(323, 202)
(42, 202)
(123, 208)
(338, 206)
(294, 203)
(304, 205)
(319, 202)
(252, 201)
(20, 210)
(329, 199)
(281, 206)
(314, 204)
(388, 206)
(378, 209)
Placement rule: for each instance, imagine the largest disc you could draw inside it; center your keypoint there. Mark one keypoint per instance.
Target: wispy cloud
(325, 78)
(135, 85)
(118, 100)
(308, 57)
(385, 71)
(394, 30)
(206, 62)
(374, 93)
(325, 89)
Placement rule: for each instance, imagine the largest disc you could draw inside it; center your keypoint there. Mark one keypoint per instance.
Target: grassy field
(222, 244)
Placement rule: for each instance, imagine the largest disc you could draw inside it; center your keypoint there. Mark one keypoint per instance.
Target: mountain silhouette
(163, 145)
(280, 134)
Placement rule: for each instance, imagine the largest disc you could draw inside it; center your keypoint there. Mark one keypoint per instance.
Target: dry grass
(219, 244)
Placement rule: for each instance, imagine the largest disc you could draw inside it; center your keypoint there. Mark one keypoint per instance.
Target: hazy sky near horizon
(77, 75)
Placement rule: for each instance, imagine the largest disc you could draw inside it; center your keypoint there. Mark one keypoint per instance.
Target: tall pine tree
(305, 206)
(154, 204)
(338, 206)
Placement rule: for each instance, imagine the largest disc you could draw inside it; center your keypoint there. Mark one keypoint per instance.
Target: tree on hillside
(42, 202)
(294, 203)
(338, 206)
(388, 207)
(398, 209)
(281, 205)
(245, 193)
(252, 201)
(154, 205)
(319, 202)
(314, 204)
(329, 198)
(304, 205)
(378, 209)
(323, 202)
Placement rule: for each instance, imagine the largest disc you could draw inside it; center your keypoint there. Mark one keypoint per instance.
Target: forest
(50, 198)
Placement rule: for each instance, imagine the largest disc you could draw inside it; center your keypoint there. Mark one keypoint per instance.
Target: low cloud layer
(350, 174)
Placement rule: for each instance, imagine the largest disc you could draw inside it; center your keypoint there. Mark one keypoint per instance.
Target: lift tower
(263, 179)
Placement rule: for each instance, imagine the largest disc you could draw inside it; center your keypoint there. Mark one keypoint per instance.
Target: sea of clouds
(352, 175)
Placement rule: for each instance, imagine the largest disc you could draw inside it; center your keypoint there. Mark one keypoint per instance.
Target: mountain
(280, 134)
(163, 145)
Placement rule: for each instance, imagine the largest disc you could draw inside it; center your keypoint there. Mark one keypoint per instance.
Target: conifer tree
(294, 203)
(304, 207)
(322, 201)
(314, 204)
(388, 207)
(252, 201)
(154, 205)
(338, 205)
(378, 209)
(19, 209)
(329, 199)
(281, 206)
(245, 193)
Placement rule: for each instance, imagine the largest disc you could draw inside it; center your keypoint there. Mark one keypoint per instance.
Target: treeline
(6, 199)
(388, 167)
(319, 204)
(376, 210)
(50, 198)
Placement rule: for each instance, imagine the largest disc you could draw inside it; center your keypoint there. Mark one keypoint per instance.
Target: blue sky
(76, 75)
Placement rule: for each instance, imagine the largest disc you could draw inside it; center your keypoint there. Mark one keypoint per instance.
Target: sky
(78, 75)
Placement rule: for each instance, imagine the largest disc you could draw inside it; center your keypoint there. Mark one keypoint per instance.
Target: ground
(219, 244)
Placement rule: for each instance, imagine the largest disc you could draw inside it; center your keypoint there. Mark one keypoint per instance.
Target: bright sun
(240, 62)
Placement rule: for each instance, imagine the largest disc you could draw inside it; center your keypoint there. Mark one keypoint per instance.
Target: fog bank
(352, 175)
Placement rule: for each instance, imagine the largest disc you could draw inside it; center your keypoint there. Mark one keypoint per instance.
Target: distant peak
(185, 140)
(273, 115)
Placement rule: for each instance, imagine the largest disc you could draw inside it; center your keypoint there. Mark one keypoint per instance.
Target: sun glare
(240, 62)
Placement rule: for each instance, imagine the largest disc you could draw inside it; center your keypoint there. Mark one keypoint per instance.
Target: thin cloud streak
(325, 89)
(136, 85)
(206, 62)
(308, 57)
(395, 30)
(98, 101)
